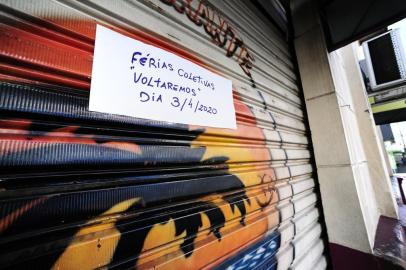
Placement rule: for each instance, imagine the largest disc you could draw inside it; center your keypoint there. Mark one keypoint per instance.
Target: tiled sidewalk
(390, 239)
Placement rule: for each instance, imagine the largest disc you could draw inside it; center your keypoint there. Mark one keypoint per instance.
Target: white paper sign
(135, 79)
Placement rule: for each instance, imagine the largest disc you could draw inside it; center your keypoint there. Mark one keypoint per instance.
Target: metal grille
(82, 189)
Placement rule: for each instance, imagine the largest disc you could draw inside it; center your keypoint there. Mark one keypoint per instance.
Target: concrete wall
(353, 180)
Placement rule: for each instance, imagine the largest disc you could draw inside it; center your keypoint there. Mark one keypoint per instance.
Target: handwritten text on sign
(135, 79)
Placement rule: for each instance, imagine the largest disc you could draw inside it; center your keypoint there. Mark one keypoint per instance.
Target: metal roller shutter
(82, 190)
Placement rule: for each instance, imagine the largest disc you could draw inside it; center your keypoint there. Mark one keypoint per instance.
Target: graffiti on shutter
(82, 189)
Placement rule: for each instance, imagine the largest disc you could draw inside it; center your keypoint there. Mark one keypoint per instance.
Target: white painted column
(350, 170)
(385, 155)
(372, 145)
